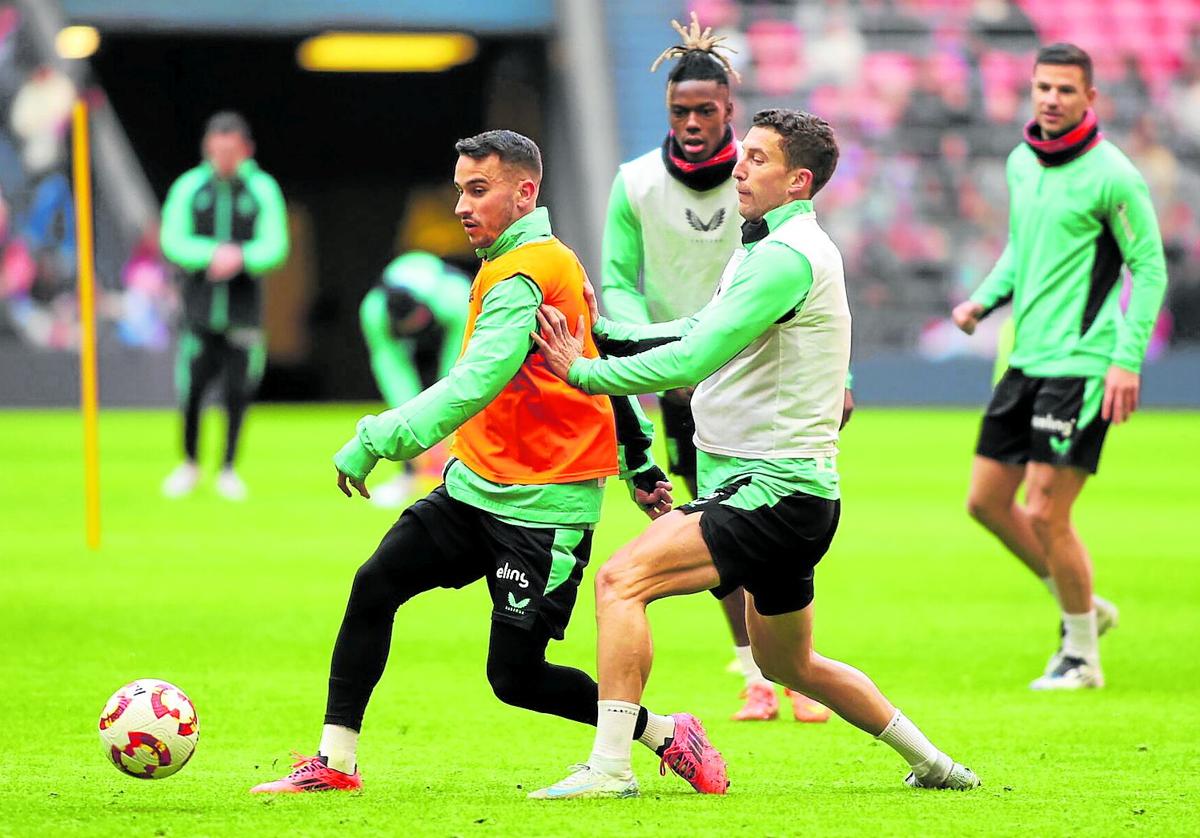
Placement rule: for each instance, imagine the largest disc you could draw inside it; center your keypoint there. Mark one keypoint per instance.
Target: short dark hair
(228, 122)
(698, 65)
(512, 148)
(1068, 55)
(807, 141)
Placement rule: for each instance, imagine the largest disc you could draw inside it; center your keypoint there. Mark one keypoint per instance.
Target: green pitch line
(238, 605)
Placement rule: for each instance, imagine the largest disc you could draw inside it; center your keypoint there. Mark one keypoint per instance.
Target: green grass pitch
(239, 605)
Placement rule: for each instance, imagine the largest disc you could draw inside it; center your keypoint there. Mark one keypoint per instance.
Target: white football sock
(658, 730)
(1051, 586)
(1080, 638)
(339, 746)
(750, 670)
(615, 722)
(906, 739)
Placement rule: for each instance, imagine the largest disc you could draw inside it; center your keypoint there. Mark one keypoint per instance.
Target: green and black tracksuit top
(1071, 227)
(203, 211)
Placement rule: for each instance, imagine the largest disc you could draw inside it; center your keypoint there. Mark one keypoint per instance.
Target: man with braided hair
(671, 227)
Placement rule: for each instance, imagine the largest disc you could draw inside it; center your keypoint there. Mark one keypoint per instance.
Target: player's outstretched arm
(498, 346)
(770, 283)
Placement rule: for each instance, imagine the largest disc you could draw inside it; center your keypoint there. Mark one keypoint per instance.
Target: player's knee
(510, 685)
(373, 589)
(613, 579)
(978, 509)
(1045, 516)
(984, 509)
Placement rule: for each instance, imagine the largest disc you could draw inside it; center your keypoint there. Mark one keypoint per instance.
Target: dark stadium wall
(353, 154)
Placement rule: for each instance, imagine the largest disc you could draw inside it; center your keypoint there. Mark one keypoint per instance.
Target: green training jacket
(1070, 229)
(203, 211)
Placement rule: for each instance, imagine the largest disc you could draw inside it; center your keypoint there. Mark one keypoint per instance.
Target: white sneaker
(1071, 674)
(230, 486)
(958, 778)
(585, 781)
(181, 481)
(393, 493)
(1108, 616)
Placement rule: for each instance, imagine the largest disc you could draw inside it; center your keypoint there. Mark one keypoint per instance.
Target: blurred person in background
(1079, 209)
(224, 225)
(413, 323)
(672, 225)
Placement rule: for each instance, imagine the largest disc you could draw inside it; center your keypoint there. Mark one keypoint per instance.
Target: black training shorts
(770, 550)
(533, 573)
(1046, 420)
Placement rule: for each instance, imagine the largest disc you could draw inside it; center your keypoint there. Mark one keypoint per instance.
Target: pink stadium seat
(776, 48)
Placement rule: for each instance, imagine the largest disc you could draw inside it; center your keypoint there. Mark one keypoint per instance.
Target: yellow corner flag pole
(89, 389)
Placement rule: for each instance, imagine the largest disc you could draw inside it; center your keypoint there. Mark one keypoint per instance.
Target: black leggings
(203, 357)
(406, 563)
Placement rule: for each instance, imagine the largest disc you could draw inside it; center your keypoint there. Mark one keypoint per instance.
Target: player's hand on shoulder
(1121, 391)
(558, 344)
(345, 482)
(966, 316)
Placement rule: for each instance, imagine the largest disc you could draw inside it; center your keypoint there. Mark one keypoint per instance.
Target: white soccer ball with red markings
(149, 729)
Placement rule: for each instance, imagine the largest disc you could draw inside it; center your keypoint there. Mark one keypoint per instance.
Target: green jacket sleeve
(178, 240)
(997, 288)
(391, 361)
(621, 259)
(1132, 222)
(268, 248)
(772, 281)
(496, 350)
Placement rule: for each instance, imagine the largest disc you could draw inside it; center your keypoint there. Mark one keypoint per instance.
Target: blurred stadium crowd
(37, 216)
(928, 97)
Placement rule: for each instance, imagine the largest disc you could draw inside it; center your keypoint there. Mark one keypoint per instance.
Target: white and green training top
(770, 353)
(674, 239)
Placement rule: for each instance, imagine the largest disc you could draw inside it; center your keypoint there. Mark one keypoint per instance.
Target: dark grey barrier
(134, 378)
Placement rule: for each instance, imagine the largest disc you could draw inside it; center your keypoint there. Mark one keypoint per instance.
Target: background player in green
(413, 323)
(672, 225)
(769, 354)
(1078, 210)
(225, 225)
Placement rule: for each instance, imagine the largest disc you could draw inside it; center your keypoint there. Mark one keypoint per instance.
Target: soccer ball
(149, 729)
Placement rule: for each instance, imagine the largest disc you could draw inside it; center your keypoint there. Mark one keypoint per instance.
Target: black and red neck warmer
(705, 174)
(1065, 148)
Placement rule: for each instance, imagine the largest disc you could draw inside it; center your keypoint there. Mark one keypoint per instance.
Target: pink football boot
(311, 774)
(692, 757)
